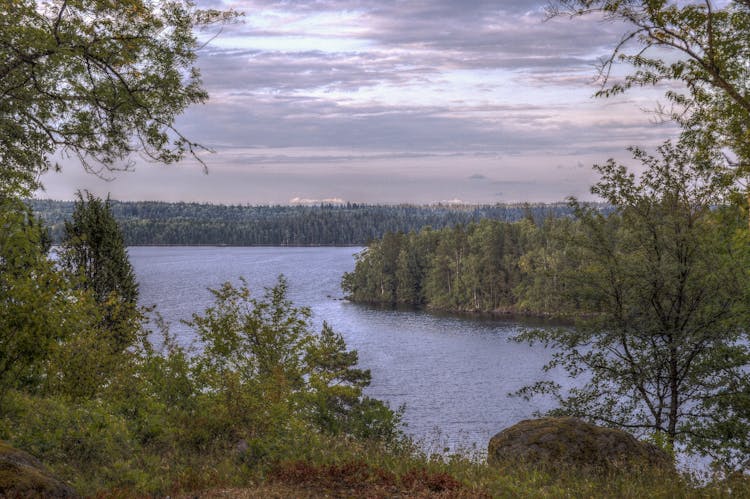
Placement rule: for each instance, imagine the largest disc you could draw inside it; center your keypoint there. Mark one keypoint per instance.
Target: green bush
(82, 442)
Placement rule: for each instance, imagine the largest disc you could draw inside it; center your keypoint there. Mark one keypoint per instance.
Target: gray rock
(22, 475)
(571, 442)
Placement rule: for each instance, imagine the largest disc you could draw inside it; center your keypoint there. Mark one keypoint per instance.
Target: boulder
(563, 442)
(22, 475)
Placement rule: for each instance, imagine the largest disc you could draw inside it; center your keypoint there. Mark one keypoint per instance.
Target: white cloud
(393, 101)
(308, 201)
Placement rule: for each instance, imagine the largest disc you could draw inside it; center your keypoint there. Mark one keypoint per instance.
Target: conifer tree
(93, 249)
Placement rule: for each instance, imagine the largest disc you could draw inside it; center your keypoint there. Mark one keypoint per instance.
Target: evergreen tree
(93, 249)
(334, 380)
(38, 309)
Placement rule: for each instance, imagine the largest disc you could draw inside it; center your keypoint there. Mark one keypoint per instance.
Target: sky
(391, 101)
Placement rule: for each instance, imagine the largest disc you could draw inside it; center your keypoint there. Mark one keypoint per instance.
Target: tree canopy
(95, 79)
(93, 250)
(39, 309)
(264, 353)
(663, 348)
(161, 223)
(711, 41)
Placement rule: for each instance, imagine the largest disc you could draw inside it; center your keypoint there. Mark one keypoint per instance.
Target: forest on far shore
(149, 223)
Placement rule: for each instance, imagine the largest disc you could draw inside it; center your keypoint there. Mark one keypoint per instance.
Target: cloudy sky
(391, 101)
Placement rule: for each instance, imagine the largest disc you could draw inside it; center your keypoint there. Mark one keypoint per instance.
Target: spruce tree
(93, 249)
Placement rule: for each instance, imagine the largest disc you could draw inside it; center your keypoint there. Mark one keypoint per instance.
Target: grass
(102, 456)
(465, 480)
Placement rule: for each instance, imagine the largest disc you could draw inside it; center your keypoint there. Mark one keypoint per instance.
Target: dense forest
(158, 223)
(483, 266)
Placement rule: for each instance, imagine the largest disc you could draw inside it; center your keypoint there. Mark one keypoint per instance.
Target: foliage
(164, 420)
(263, 352)
(86, 443)
(665, 282)
(97, 79)
(711, 42)
(480, 267)
(93, 250)
(157, 223)
(38, 307)
(546, 267)
(262, 388)
(695, 383)
(145, 419)
(336, 385)
(96, 452)
(54, 339)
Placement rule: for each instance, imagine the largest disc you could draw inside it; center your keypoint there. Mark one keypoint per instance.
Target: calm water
(453, 374)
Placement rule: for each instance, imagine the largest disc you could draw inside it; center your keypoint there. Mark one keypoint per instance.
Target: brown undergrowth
(360, 479)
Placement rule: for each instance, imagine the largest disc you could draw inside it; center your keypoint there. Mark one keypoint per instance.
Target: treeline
(485, 266)
(158, 223)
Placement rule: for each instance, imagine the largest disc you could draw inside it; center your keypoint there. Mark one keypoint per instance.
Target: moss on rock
(570, 442)
(22, 475)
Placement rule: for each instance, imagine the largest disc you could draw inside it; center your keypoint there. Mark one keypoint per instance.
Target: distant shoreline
(538, 318)
(247, 246)
(181, 224)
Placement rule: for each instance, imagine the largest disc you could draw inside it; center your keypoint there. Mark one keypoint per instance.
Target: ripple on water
(452, 373)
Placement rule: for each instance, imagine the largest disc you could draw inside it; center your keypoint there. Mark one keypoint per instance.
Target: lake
(452, 373)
